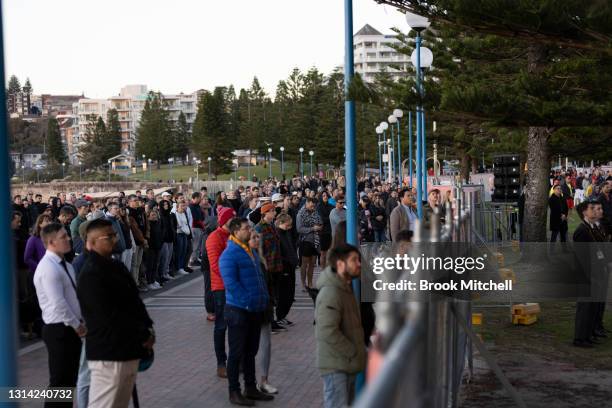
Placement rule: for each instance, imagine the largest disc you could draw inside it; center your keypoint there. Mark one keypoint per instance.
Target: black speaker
(507, 174)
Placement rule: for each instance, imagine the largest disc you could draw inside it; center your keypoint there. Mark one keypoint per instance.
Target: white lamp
(426, 57)
(392, 119)
(416, 22)
(398, 113)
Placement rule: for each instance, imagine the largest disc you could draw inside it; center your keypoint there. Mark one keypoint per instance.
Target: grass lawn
(185, 172)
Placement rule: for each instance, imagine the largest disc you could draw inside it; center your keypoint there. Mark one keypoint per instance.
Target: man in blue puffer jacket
(246, 297)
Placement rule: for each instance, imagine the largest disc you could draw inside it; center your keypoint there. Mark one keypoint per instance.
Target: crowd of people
(248, 244)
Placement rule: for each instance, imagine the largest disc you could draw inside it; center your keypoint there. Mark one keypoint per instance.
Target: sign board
(385, 158)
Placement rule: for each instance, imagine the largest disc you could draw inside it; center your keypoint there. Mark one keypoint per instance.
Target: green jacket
(338, 329)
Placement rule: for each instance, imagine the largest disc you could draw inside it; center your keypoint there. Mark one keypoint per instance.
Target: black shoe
(286, 322)
(255, 394)
(188, 269)
(237, 398)
(599, 333)
(277, 327)
(583, 344)
(593, 340)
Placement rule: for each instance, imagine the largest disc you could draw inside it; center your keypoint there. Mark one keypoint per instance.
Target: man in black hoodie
(119, 329)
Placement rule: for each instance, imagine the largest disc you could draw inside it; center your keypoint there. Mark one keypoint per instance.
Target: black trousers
(209, 299)
(585, 320)
(64, 349)
(243, 332)
(286, 291)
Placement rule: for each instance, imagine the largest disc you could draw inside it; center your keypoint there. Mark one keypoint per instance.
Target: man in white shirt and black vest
(56, 289)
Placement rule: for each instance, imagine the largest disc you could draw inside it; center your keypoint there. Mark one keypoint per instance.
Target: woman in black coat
(558, 215)
(379, 219)
(325, 235)
(168, 236)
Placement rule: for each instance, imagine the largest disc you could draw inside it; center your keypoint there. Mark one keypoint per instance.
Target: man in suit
(558, 215)
(591, 260)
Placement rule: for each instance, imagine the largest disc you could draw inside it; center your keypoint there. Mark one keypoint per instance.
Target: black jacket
(558, 206)
(376, 211)
(155, 235)
(116, 319)
(168, 226)
(288, 251)
(324, 210)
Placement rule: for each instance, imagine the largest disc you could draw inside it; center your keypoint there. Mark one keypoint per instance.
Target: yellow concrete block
(526, 309)
(476, 319)
(524, 320)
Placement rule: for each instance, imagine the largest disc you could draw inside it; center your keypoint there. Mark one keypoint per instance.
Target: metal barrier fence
(425, 344)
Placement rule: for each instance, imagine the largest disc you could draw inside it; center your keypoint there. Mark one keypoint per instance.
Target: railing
(423, 343)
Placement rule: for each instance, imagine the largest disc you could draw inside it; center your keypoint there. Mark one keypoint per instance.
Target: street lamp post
(270, 162)
(379, 133)
(301, 162)
(109, 169)
(63, 167)
(198, 172)
(249, 167)
(282, 150)
(170, 161)
(311, 153)
(410, 146)
(392, 120)
(149, 164)
(23, 173)
(421, 58)
(384, 126)
(144, 156)
(80, 171)
(398, 113)
(209, 167)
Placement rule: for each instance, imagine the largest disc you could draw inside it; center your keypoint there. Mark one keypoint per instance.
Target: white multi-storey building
(129, 105)
(374, 54)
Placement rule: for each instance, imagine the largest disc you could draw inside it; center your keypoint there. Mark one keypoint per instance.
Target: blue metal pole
(379, 159)
(301, 165)
(399, 153)
(282, 163)
(8, 320)
(419, 168)
(410, 145)
(383, 152)
(419, 127)
(424, 150)
(350, 151)
(349, 138)
(392, 151)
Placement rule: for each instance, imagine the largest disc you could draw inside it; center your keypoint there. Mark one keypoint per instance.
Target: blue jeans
(181, 251)
(243, 332)
(83, 381)
(220, 327)
(338, 389)
(379, 236)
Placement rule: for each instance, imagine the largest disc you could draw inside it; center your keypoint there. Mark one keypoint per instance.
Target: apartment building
(373, 54)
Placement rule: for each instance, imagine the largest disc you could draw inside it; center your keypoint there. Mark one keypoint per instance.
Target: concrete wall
(54, 187)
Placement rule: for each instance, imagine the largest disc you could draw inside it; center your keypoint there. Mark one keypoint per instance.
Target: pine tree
(112, 137)
(93, 153)
(210, 130)
(27, 90)
(154, 134)
(540, 66)
(56, 151)
(14, 88)
(181, 137)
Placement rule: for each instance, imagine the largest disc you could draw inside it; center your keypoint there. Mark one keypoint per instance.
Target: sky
(97, 46)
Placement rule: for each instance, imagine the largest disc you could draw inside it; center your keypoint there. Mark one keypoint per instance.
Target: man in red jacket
(215, 245)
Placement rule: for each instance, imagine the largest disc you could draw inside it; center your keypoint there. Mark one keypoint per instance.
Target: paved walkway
(184, 372)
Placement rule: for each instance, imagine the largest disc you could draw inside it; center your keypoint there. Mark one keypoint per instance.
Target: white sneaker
(157, 285)
(267, 388)
(182, 272)
(151, 286)
(169, 277)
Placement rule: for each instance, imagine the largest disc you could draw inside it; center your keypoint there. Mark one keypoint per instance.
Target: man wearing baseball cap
(215, 245)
